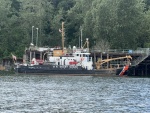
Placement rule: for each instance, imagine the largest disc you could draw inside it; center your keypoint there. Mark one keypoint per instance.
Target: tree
(75, 19)
(118, 23)
(100, 21)
(102, 45)
(4, 27)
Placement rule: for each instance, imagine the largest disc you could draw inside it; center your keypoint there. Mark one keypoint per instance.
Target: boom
(100, 61)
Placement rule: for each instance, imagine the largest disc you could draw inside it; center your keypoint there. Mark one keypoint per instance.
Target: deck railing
(128, 51)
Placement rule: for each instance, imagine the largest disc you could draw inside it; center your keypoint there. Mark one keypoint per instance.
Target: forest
(115, 24)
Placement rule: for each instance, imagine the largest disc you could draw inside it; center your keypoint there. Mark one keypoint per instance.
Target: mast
(63, 34)
(81, 35)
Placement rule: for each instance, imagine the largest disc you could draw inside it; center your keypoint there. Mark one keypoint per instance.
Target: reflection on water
(74, 94)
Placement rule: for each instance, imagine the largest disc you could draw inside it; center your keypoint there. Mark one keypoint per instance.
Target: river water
(74, 94)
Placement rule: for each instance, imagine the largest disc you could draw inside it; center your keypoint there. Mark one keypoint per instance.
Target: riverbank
(3, 73)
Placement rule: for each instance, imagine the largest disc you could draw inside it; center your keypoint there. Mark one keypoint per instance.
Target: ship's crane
(100, 61)
(86, 44)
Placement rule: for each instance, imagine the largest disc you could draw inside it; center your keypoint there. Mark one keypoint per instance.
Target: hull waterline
(67, 70)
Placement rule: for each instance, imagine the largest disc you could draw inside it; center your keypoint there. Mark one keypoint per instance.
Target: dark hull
(73, 70)
(140, 71)
(135, 71)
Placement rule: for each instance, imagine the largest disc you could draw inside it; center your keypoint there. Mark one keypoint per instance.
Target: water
(74, 94)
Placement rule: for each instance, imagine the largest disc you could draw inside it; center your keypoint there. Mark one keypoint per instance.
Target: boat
(59, 60)
(55, 61)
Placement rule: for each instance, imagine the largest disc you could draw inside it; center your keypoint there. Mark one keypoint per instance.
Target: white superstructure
(76, 58)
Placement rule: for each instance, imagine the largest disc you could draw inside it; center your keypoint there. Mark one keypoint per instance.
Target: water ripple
(74, 94)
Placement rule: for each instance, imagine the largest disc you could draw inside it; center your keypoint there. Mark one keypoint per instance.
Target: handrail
(129, 51)
(139, 59)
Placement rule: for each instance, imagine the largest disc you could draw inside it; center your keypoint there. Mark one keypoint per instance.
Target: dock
(140, 63)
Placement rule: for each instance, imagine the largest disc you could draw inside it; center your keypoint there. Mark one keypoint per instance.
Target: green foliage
(121, 23)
